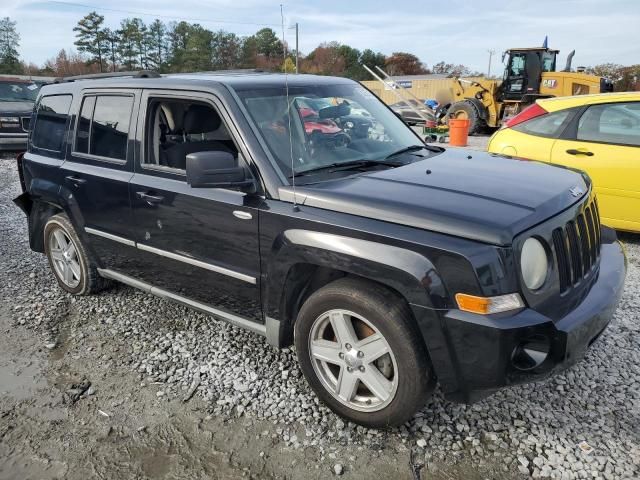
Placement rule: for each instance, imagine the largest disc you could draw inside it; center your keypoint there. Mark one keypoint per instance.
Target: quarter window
(617, 123)
(51, 122)
(103, 126)
(548, 125)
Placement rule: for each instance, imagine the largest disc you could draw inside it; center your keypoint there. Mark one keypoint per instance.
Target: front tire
(362, 354)
(68, 258)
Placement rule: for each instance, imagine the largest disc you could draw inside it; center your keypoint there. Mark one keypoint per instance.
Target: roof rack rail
(97, 76)
(233, 71)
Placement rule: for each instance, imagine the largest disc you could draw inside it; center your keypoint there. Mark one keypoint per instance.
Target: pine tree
(157, 45)
(130, 41)
(9, 43)
(91, 38)
(112, 40)
(227, 50)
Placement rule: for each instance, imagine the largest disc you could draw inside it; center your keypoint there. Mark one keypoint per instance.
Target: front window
(517, 64)
(617, 123)
(18, 91)
(548, 62)
(330, 129)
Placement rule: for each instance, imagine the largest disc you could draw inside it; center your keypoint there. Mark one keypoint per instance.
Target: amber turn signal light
(487, 305)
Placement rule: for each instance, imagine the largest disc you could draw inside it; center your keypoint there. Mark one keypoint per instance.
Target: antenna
(286, 86)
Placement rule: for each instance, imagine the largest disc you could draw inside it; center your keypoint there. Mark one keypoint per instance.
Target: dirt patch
(121, 428)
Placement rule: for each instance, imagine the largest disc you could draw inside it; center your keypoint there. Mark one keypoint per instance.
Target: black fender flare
(409, 273)
(45, 199)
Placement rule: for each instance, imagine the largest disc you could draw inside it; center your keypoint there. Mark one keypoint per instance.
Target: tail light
(532, 111)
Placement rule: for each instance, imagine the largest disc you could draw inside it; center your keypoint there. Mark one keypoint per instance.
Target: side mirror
(213, 169)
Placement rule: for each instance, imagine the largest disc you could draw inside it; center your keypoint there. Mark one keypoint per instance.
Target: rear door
(605, 142)
(532, 139)
(97, 172)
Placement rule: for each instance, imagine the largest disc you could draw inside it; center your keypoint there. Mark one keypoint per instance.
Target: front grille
(25, 121)
(577, 246)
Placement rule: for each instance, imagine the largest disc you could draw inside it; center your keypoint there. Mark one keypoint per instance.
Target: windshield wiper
(350, 165)
(412, 148)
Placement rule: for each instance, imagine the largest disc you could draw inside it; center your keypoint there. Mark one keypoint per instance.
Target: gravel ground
(525, 431)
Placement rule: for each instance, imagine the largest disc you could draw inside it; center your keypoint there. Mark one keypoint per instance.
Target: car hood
(16, 107)
(473, 195)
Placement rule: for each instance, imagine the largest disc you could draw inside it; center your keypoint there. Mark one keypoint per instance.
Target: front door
(97, 172)
(606, 144)
(199, 243)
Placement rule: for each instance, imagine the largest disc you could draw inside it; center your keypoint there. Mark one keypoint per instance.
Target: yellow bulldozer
(530, 73)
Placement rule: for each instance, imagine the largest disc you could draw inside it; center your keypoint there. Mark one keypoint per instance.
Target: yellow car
(599, 134)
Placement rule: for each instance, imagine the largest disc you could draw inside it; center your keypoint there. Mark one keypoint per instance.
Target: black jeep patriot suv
(389, 264)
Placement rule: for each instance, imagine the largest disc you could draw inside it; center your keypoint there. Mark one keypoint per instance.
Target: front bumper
(13, 141)
(481, 351)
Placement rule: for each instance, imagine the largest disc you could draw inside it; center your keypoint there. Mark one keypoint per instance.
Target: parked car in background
(409, 116)
(599, 134)
(17, 97)
(390, 264)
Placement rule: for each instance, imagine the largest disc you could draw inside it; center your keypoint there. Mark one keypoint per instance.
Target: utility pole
(491, 52)
(297, 48)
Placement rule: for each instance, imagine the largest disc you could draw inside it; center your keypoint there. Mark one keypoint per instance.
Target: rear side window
(617, 123)
(51, 122)
(549, 125)
(103, 126)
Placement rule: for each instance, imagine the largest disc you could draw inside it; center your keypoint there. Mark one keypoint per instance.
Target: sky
(456, 31)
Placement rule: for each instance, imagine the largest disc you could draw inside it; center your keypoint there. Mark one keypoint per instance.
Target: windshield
(329, 126)
(18, 91)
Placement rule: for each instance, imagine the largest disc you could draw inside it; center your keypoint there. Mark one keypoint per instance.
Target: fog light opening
(531, 353)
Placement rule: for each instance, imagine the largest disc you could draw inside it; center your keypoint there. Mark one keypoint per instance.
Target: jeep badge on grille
(576, 191)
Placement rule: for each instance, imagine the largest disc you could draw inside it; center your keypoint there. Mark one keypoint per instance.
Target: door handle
(242, 215)
(586, 153)
(77, 181)
(150, 199)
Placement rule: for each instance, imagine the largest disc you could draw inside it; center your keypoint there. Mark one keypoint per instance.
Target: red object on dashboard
(324, 126)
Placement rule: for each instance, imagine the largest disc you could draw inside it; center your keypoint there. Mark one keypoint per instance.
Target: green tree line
(187, 47)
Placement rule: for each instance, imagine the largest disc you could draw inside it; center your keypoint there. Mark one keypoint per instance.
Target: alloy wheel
(64, 257)
(353, 360)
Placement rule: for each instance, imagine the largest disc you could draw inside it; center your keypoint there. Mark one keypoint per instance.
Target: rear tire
(68, 258)
(362, 354)
(467, 110)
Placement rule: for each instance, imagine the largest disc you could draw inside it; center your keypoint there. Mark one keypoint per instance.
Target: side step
(227, 317)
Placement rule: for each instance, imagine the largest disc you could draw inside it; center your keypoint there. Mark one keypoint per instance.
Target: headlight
(9, 120)
(534, 263)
